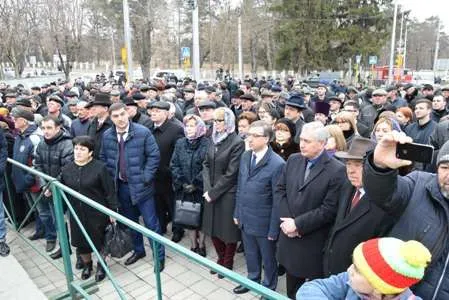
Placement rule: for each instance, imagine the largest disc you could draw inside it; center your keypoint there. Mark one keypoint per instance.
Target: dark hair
(55, 120)
(354, 104)
(271, 110)
(426, 101)
(85, 141)
(117, 106)
(267, 130)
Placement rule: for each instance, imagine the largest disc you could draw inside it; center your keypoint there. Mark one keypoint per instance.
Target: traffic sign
(32, 60)
(372, 60)
(358, 58)
(185, 52)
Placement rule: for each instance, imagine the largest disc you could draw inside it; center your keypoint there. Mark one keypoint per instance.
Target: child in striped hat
(382, 269)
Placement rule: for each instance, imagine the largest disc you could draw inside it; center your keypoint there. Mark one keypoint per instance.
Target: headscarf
(229, 125)
(200, 127)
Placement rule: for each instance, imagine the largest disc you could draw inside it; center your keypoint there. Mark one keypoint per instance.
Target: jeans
(147, 210)
(2, 220)
(47, 215)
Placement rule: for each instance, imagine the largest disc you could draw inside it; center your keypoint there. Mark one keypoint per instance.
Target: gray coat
(220, 173)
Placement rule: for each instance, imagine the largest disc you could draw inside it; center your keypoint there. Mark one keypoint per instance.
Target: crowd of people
(305, 182)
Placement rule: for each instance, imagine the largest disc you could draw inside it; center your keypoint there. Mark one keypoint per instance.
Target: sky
(422, 9)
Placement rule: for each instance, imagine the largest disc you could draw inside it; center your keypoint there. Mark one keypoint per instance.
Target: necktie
(356, 199)
(121, 158)
(307, 172)
(253, 162)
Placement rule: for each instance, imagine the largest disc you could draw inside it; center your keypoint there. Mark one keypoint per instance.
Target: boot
(79, 262)
(100, 274)
(87, 271)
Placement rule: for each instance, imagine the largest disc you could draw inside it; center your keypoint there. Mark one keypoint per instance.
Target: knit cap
(391, 265)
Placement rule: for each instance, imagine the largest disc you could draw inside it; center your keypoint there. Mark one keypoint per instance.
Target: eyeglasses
(218, 120)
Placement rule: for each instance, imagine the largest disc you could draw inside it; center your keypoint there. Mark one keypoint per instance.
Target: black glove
(188, 188)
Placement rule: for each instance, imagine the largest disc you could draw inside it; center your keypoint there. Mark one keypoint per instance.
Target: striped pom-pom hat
(391, 265)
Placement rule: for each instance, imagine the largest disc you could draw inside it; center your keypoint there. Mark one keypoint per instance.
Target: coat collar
(317, 168)
(264, 161)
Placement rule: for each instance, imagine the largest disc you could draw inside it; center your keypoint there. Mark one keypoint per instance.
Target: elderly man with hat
(293, 111)
(135, 113)
(10, 98)
(411, 93)
(445, 92)
(207, 109)
(358, 219)
(370, 112)
(55, 105)
(100, 121)
(189, 101)
(247, 101)
(166, 132)
(427, 91)
(115, 96)
(212, 94)
(394, 98)
(418, 201)
(335, 105)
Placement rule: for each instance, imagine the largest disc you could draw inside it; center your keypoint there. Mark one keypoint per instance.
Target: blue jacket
(337, 287)
(24, 150)
(79, 127)
(257, 204)
(422, 214)
(141, 156)
(3, 157)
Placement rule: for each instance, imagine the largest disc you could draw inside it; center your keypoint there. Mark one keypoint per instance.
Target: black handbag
(118, 240)
(187, 213)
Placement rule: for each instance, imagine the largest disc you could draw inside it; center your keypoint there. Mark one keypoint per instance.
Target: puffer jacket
(53, 154)
(3, 157)
(142, 159)
(422, 214)
(24, 151)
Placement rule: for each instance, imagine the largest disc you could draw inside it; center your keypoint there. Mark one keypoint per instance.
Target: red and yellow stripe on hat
(391, 265)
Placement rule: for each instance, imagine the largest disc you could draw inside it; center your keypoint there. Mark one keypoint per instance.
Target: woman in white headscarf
(220, 172)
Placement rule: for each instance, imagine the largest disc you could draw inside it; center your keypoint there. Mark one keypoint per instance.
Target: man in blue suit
(132, 156)
(256, 211)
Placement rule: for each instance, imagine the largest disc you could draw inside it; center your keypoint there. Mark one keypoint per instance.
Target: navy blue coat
(141, 156)
(187, 166)
(3, 157)
(79, 127)
(422, 214)
(257, 204)
(24, 152)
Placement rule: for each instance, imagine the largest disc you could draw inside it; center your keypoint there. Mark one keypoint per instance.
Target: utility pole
(393, 37)
(196, 42)
(437, 47)
(113, 49)
(129, 52)
(239, 33)
(405, 43)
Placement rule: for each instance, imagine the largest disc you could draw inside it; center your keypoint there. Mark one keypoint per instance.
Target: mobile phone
(415, 152)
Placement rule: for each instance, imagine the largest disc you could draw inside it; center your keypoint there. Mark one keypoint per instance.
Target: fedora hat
(102, 99)
(357, 150)
(296, 100)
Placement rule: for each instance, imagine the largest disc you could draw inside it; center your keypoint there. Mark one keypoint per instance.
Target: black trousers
(293, 284)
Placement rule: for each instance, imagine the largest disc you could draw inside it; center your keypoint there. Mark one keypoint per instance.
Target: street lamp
(393, 37)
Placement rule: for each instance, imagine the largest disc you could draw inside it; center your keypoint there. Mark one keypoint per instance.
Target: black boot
(79, 262)
(87, 271)
(100, 274)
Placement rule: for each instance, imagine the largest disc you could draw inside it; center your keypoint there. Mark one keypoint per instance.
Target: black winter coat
(285, 150)
(166, 136)
(365, 221)
(52, 155)
(313, 204)
(187, 166)
(220, 173)
(93, 181)
(96, 132)
(143, 119)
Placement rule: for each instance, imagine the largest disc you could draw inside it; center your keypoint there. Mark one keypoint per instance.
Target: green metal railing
(76, 289)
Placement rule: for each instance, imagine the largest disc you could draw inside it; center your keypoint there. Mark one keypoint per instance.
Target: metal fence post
(157, 270)
(63, 238)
